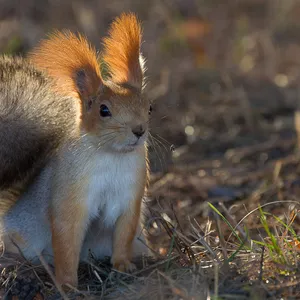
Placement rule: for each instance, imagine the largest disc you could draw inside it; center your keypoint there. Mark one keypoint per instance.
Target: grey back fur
(33, 120)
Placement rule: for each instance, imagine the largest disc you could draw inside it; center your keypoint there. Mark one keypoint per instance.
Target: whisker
(158, 155)
(105, 142)
(115, 127)
(80, 140)
(160, 143)
(163, 139)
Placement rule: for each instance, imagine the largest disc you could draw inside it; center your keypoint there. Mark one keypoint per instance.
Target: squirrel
(30, 130)
(89, 193)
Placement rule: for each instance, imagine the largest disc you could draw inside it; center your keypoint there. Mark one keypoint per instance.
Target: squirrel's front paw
(123, 265)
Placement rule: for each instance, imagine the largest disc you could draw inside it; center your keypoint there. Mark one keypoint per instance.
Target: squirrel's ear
(71, 61)
(121, 58)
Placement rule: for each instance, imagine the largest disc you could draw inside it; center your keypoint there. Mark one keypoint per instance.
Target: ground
(223, 204)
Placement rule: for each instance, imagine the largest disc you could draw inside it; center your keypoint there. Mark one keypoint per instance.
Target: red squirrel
(93, 185)
(30, 125)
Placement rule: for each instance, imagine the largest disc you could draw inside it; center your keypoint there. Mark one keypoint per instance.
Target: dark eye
(150, 109)
(104, 111)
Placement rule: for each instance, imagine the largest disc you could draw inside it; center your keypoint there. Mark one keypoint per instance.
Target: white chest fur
(113, 180)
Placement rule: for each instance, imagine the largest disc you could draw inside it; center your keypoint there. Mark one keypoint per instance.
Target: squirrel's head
(114, 111)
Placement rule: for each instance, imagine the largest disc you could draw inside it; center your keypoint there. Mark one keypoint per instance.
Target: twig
(261, 264)
(57, 285)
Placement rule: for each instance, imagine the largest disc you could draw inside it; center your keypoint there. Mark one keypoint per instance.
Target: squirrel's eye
(104, 111)
(150, 109)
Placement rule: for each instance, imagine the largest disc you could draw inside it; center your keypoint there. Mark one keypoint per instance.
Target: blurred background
(224, 79)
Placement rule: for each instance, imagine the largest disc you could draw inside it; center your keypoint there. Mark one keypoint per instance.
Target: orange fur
(62, 56)
(122, 51)
(9, 197)
(122, 241)
(68, 228)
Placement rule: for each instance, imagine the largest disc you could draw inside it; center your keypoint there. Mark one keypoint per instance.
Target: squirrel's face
(114, 113)
(119, 122)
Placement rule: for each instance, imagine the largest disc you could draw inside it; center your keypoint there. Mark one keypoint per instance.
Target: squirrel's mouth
(132, 146)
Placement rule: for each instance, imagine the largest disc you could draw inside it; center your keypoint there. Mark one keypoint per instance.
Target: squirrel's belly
(112, 186)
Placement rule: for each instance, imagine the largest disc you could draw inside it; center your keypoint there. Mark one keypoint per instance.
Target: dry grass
(220, 259)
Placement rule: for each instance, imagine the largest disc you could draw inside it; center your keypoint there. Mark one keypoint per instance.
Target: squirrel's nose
(138, 131)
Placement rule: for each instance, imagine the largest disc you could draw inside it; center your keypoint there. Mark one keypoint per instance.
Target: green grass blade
(226, 221)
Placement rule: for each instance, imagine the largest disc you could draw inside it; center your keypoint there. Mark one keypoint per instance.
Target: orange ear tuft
(121, 51)
(71, 61)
